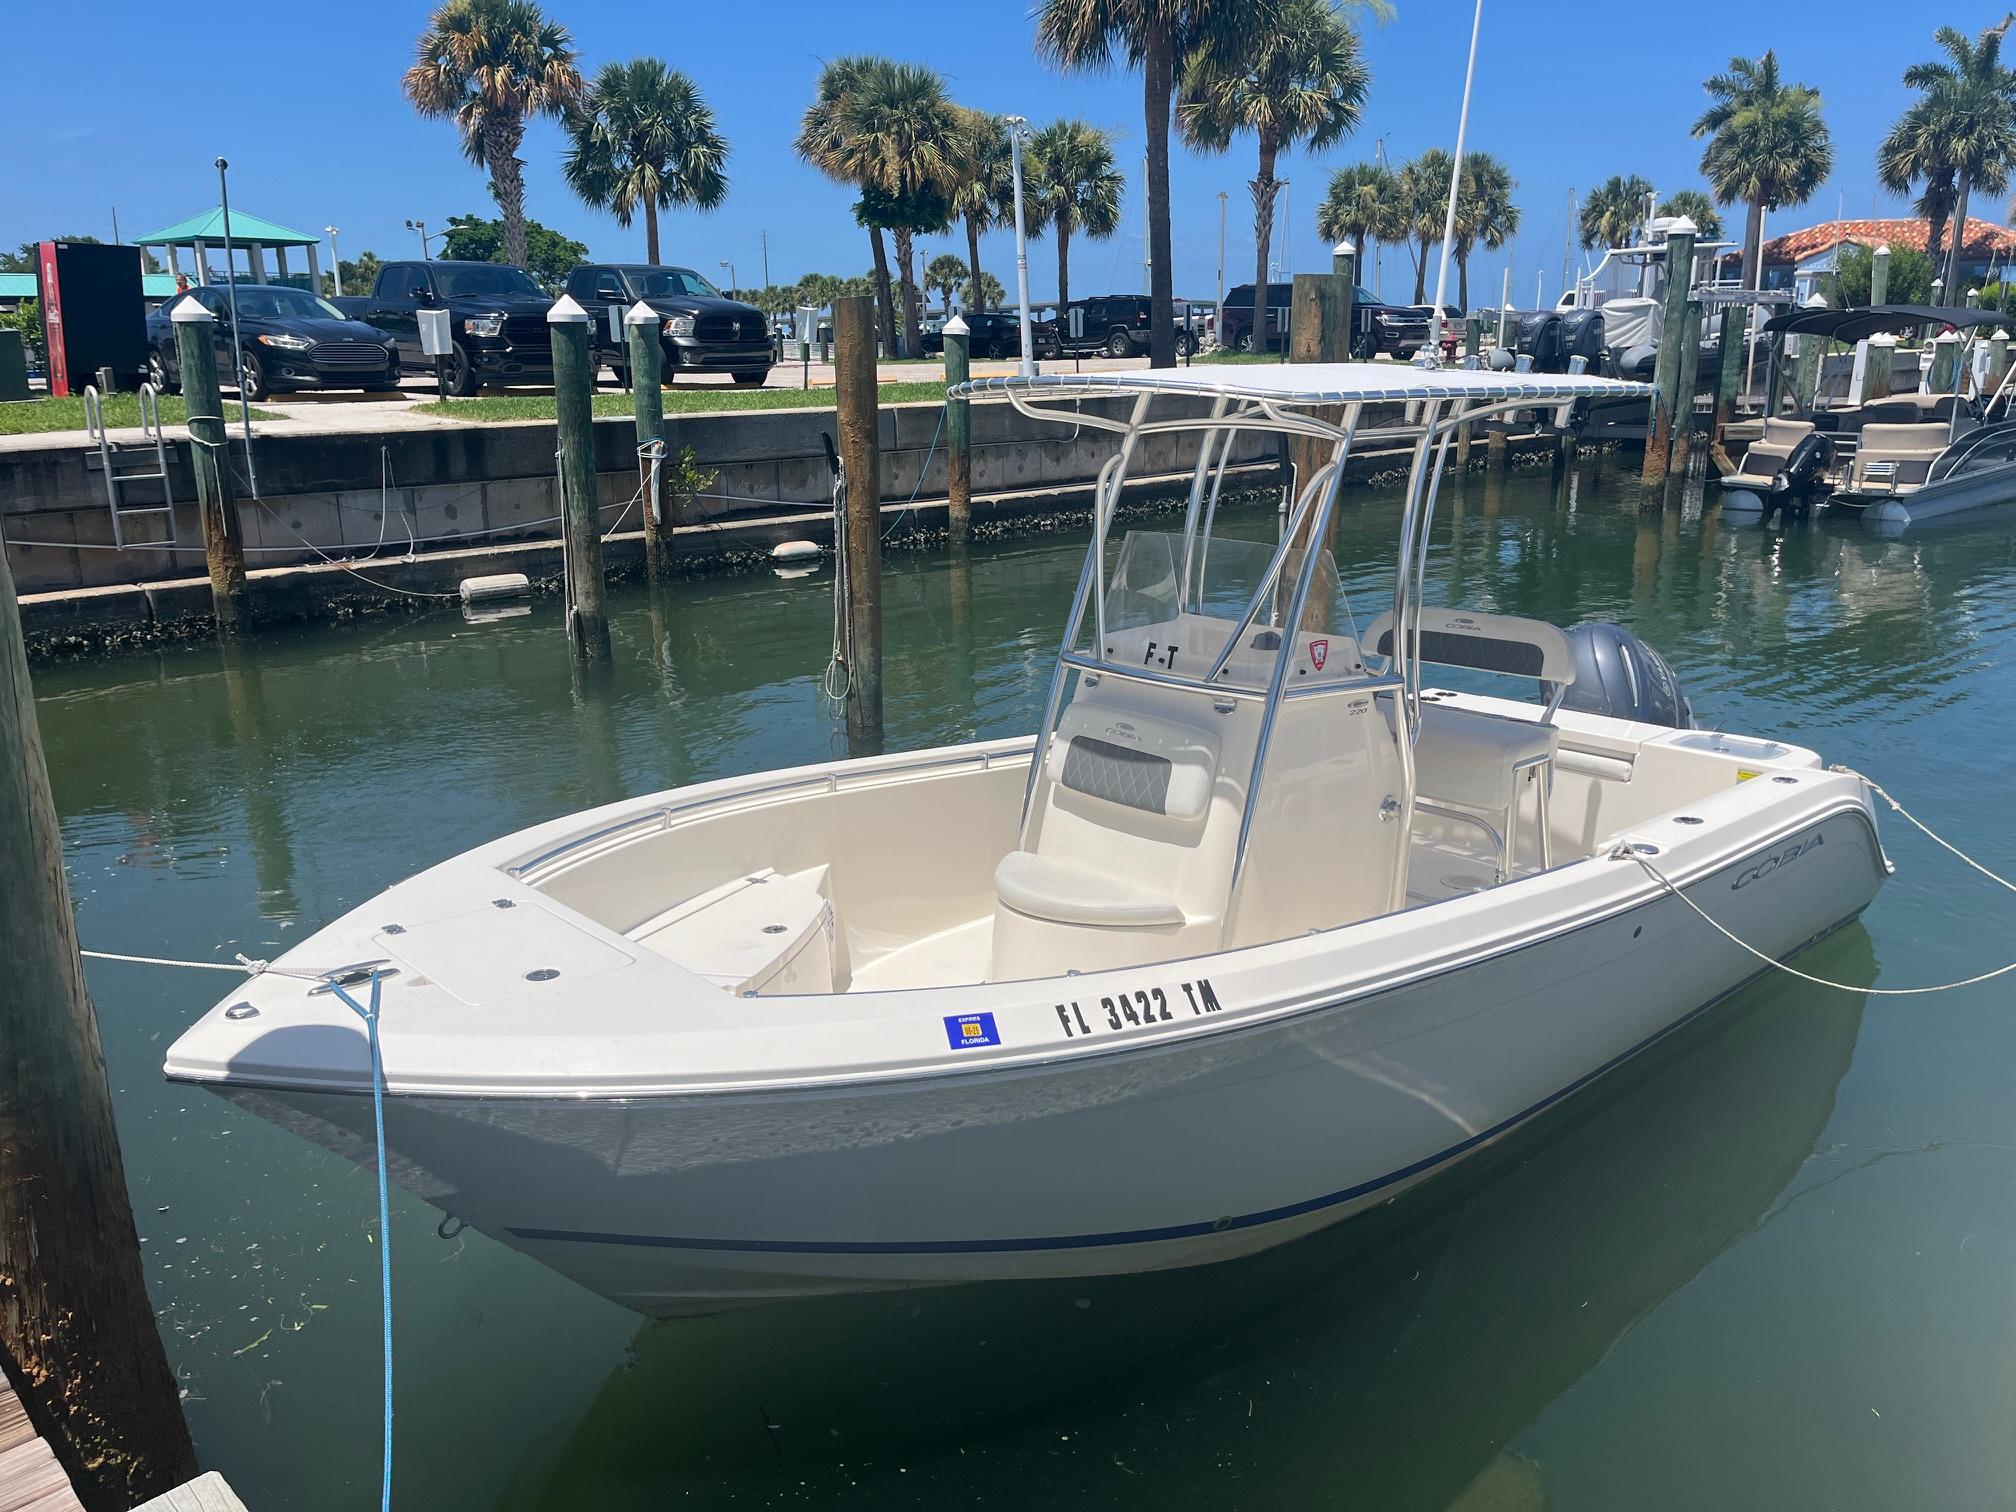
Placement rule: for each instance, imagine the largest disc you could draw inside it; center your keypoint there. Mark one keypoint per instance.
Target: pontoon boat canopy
(1854, 325)
(1319, 383)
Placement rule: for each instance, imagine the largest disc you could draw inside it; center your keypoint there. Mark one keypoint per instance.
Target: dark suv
(1397, 330)
(701, 332)
(292, 340)
(1117, 325)
(497, 316)
(994, 333)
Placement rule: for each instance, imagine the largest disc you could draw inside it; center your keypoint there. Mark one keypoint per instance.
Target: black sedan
(287, 339)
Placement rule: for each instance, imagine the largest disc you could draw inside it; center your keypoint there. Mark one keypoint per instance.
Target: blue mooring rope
(370, 1017)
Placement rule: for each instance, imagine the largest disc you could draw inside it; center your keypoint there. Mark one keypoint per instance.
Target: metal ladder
(115, 480)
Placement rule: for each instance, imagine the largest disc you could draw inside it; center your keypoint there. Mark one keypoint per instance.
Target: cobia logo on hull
(1770, 864)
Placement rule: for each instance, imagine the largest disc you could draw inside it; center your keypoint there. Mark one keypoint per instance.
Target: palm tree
(1613, 212)
(988, 293)
(822, 141)
(1767, 146)
(1915, 149)
(1361, 206)
(945, 275)
(1698, 208)
(1969, 111)
(1423, 199)
(646, 138)
(897, 137)
(1298, 80)
(1073, 186)
(490, 64)
(1484, 213)
(1159, 36)
(983, 192)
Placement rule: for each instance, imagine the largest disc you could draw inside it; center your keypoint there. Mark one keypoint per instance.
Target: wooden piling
(1319, 330)
(1690, 375)
(1344, 265)
(1667, 372)
(78, 1330)
(647, 401)
(1734, 337)
(958, 434)
(1945, 373)
(1806, 373)
(581, 521)
(858, 417)
(1473, 344)
(223, 542)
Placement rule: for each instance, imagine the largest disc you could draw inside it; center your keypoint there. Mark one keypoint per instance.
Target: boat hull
(1194, 1151)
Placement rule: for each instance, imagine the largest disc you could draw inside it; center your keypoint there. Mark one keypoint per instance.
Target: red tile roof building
(1986, 241)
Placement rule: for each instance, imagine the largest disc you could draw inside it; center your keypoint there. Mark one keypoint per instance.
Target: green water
(1773, 1265)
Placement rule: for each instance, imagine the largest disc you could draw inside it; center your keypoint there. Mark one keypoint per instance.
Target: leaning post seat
(1482, 764)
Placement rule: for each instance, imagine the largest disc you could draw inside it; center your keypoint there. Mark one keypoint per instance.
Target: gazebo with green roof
(249, 234)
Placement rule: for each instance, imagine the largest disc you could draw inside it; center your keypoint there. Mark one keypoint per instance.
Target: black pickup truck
(701, 331)
(1397, 330)
(497, 315)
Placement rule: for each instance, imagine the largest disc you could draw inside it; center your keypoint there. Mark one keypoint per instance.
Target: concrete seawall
(337, 494)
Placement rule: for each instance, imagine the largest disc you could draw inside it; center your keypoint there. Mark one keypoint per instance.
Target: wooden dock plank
(206, 1493)
(15, 1428)
(29, 1476)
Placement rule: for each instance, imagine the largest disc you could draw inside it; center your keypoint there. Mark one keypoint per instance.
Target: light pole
(335, 261)
(1017, 125)
(419, 228)
(732, 285)
(1433, 350)
(1221, 262)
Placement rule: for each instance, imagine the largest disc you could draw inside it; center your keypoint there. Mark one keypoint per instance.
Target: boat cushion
(1130, 759)
(1909, 449)
(1469, 758)
(1066, 894)
(1767, 455)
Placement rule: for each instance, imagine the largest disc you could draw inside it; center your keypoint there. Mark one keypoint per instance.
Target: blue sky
(304, 101)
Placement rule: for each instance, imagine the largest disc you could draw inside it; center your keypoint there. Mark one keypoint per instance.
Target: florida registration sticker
(969, 1030)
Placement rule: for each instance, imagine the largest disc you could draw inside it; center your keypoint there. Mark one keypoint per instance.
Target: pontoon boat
(1258, 930)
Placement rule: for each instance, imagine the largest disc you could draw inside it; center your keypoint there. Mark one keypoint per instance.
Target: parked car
(497, 317)
(995, 334)
(291, 340)
(703, 331)
(1397, 330)
(1118, 326)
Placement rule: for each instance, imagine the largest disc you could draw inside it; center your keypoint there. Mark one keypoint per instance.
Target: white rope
(1920, 825)
(244, 965)
(1626, 851)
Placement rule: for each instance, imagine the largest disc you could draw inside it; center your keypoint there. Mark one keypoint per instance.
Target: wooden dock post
(859, 421)
(1734, 337)
(1667, 371)
(1879, 367)
(1945, 373)
(1473, 343)
(1690, 377)
(1806, 373)
(647, 398)
(76, 1324)
(223, 542)
(1319, 330)
(1879, 274)
(1998, 362)
(581, 520)
(958, 434)
(1344, 265)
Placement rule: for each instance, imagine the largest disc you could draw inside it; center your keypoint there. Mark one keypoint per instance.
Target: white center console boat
(1257, 930)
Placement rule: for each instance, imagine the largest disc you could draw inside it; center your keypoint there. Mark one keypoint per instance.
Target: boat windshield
(1147, 590)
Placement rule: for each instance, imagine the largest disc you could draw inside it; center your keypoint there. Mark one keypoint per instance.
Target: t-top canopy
(1321, 383)
(1853, 325)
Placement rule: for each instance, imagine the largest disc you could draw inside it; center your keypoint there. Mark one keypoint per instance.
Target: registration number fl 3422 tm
(1137, 1008)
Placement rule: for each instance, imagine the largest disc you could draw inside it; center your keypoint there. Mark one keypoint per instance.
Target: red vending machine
(94, 314)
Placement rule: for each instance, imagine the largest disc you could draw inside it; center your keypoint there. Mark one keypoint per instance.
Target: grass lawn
(25, 416)
(1238, 357)
(678, 401)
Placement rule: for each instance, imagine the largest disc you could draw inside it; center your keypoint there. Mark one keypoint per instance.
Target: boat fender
(1741, 501)
(794, 551)
(1618, 675)
(476, 590)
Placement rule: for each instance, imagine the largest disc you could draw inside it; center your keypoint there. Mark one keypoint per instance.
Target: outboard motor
(1582, 336)
(1540, 339)
(1802, 479)
(1619, 675)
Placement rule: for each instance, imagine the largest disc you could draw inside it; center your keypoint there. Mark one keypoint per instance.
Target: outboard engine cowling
(1617, 674)
(1540, 339)
(1806, 468)
(1582, 336)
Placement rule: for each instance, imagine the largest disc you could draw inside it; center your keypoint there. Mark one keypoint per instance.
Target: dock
(31, 1480)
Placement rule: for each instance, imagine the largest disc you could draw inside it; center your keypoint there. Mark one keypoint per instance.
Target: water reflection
(1385, 1364)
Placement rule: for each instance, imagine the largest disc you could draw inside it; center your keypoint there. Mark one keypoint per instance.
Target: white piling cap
(189, 312)
(566, 312)
(639, 313)
(1344, 248)
(1882, 250)
(1684, 226)
(2000, 335)
(957, 326)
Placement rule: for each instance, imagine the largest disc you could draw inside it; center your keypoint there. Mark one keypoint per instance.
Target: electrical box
(93, 315)
(616, 324)
(436, 333)
(1076, 317)
(805, 322)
